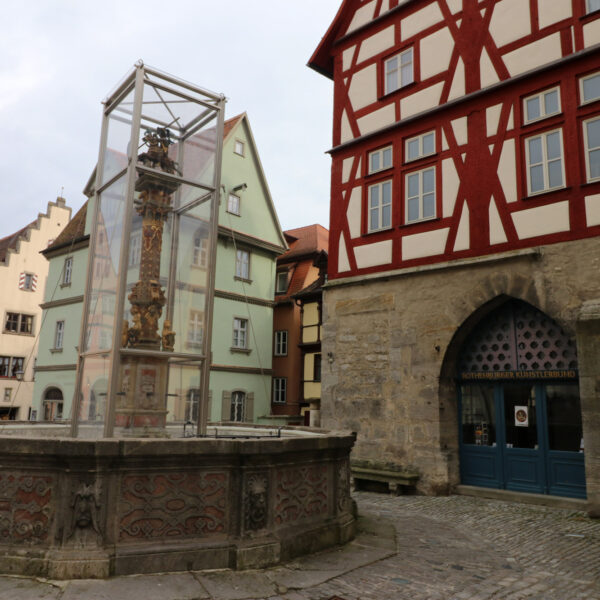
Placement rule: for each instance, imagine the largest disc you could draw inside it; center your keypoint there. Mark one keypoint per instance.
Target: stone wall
(394, 341)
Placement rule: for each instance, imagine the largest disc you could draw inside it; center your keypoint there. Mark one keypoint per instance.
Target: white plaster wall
(488, 75)
(363, 87)
(591, 33)
(459, 126)
(420, 245)
(420, 101)
(492, 119)
(454, 6)
(463, 241)
(376, 44)
(542, 220)
(377, 119)
(346, 130)
(372, 255)
(510, 21)
(362, 16)
(458, 82)
(444, 142)
(385, 6)
(354, 212)
(497, 233)
(511, 120)
(507, 171)
(343, 262)
(552, 11)
(347, 56)
(450, 184)
(535, 54)
(347, 164)
(592, 210)
(436, 50)
(420, 20)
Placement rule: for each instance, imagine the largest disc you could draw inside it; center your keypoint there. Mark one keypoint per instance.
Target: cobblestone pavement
(463, 548)
(409, 548)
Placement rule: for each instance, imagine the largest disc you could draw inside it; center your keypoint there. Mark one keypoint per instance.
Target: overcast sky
(60, 58)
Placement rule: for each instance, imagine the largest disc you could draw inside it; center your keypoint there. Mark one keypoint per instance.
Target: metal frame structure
(211, 108)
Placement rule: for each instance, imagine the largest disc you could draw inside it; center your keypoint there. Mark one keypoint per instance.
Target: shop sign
(518, 375)
(521, 416)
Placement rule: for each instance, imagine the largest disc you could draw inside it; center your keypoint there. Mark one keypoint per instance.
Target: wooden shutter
(226, 406)
(249, 412)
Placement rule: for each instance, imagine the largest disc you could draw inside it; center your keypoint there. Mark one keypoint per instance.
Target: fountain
(127, 492)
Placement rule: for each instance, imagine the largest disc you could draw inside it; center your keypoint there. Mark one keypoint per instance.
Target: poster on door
(521, 416)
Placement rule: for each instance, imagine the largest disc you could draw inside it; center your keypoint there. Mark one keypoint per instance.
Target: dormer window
(399, 71)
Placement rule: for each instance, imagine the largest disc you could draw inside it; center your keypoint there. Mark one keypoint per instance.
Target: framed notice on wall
(521, 416)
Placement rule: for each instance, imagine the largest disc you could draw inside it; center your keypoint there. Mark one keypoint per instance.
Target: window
(18, 323)
(200, 253)
(239, 147)
(317, 368)
(281, 342)
(420, 195)
(419, 146)
(242, 264)
(240, 333)
(380, 160)
(592, 5)
(544, 162)
(380, 206)
(67, 270)
(135, 250)
(10, 366)
(59, 333)
(238, 402)
(28, 281)
(590, 88)
(281, 284)
(195, 330)
(591, 130)
(192, 401)
(279, 389)
(7, 394)
(542, 105)
(399, 71)
(233, 204)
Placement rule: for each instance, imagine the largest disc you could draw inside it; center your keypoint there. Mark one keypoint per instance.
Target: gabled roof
(73, 232)
(305, 241)
(10, 241)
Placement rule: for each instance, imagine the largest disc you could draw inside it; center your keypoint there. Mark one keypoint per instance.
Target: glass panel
(564, 418)
(391, 82)
(593, 5)
(374, 219)
(594, 164)
(386, 189)
(593, 133)
(555, 173)
(428, 206)
(413, 209)
(386, 215)
(478, 415)
(591, 87)
(413, 185)
(553, 145)
(535, 150)
(536, 178)
(94, 388)
(374, 165)
(428, 143)
(407, 74)
(412, 148)
(533, 108)
(387, 158)
(184, 396)
(374, 191)
(520, 416)
(551, 102)
(428, 180)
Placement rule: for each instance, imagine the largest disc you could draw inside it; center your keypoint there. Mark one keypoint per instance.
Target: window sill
(201, 267)
(235, 350)
(376, 231)
(193, 345)
(55, 350)
(280, 355)
(411, 161)
(545, 193)
(419, 221)
(380, 172)
(233, 213)
(18, 333)
(236, 278)
(64, 285)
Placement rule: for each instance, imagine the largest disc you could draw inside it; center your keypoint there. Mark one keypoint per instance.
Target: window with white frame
(420, 195)
(545, 169)
(135, 249)
(18, 323)
(67, 270)
(195, 328)
(380, 206)
(380, 159)
(281, 343)
(419, 146)
(399, 71)
(240, 333)
(59, 334)
(281, 284)
(238, 406)
(200, 251)
(590, 88)
(591, 131)
(542, 105)
(592, 5)
(242, 264)
(11, 365)
(239, 147)
(279, 390)
(233, 204)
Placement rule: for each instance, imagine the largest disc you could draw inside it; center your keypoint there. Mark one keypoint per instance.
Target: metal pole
(203, 408)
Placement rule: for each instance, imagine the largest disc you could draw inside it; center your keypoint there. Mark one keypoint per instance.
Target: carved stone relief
(256, 501)
(301, 494)
(84, 528)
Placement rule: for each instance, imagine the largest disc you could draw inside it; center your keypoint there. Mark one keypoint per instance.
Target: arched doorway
(519, 409)
(53, 404)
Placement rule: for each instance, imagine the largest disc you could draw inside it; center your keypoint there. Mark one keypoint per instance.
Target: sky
(60, 58)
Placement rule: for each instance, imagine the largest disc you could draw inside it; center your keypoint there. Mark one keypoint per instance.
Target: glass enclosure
(150, 287)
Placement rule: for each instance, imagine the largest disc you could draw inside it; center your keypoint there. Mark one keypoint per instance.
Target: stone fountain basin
(76, 508)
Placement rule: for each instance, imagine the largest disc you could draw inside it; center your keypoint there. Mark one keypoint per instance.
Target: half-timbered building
(463, 304)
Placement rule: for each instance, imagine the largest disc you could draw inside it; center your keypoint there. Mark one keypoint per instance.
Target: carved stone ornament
(344, 501)
(256, 502)
(84, 529)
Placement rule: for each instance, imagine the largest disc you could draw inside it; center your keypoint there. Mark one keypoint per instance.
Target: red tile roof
(305, 241)
(74, 230)
(10, 241)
